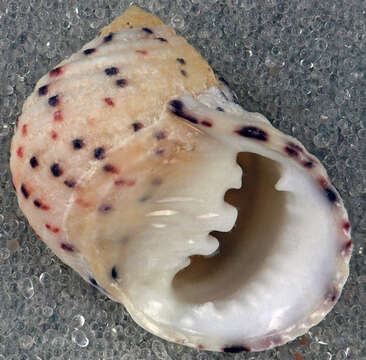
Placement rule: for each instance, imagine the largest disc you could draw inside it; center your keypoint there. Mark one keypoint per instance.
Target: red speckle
(56, 71)
(20, 151)
(109, 101)
(82, 202)
(54, 135)
(142, 52)
(206, 123)
(57, 116)
(200, 347)
(297, 356)
(67, 247)
(346, 226)
(24, 130)
(52, 229)
(323, 182)
(346, 248)
(125, 182)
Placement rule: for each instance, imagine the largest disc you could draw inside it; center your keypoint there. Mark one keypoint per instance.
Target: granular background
(302, 63)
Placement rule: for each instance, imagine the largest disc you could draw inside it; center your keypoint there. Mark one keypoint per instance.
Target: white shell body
(122, 170)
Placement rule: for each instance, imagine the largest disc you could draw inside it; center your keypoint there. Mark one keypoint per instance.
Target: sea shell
(125, 161)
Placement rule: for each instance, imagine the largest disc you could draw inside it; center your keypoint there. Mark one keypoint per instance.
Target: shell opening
(244, 250)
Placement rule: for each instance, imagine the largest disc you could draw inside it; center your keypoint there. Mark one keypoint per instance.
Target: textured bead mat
(301, 63)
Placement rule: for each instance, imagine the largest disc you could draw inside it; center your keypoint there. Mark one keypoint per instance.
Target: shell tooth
(141, 171)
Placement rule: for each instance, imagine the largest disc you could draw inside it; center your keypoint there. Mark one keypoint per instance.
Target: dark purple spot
(99, 153)
(37, 203)
(89, 51)
(108, 38)
(43, 90)
(57, 71)
(70, 183)
(219, 108)
(177, 109)
(137, 126)
(93, 281)
(67, 247)
(24, 191)
(206, 123)
(235, 349)
(293, 149)
(181, 61)
(53, 101)
(33, 162)
(110, 168)
(252, 132)
(160, 135)
(161, 39)
(56, 170)
(114, 273)
(184, 73)
(308, 164)
(159, 151)
(77, 144)
(331, 195)
(121, 82)
(104, 208)
(111, 71)
(147, 30)
(332, 295)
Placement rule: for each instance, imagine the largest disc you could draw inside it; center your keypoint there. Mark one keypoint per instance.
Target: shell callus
(151, 181)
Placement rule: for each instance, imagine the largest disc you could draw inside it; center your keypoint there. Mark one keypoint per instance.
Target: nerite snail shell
(121, 161)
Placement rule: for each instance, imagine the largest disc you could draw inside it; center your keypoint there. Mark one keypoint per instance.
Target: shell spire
(140, 170)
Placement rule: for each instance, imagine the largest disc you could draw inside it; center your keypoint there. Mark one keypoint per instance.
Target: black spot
(181, 61)
(177, 109)
(160, 135)
(235, 349)
(99, 153)
(308, 164)
(77, 144)
(253, 133)
(93, 281)
(88, 51)
(161, 39)
(111, 71)
(43, 90)
(331, 195)
(147, 30)
(145, 198)
(56, 170)
(121, 82)
(53, 101)
(108, 38)
(156, 181)
(70, 183)
(37, 203)
(219, 108)
(223, 81)
(137, 126)
(67, 247)
(24, 191)
(114, 272)
(291, 151)
(33, 162)
(184, 73)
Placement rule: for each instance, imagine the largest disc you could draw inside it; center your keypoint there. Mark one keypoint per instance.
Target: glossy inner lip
(243, 251)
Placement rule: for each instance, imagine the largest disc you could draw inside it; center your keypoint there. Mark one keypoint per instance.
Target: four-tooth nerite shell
(140, 170)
